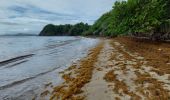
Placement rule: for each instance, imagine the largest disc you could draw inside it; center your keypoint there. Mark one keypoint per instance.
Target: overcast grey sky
(30, 16)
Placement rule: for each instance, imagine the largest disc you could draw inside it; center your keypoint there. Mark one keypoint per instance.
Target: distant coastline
(19, 34)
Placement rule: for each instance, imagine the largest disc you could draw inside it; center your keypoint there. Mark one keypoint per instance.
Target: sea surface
(27, 63)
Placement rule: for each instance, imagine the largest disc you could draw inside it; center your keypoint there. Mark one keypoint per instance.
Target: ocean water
(27, 63)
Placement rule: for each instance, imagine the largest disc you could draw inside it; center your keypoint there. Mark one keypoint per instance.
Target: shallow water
(28, 63)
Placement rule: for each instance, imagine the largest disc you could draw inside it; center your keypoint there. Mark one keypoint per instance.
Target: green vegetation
(146, 18)
(62, 30)
(134, 17)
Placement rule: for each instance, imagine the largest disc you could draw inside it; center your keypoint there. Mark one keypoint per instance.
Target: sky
(30, 16)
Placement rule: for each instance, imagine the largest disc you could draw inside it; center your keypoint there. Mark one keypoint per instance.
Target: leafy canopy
(133, 16)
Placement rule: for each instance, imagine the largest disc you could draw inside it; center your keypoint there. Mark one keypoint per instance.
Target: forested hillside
(141, 18)
(149, 18)
(63, 30)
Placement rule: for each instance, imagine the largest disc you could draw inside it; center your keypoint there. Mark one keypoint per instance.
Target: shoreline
(116, 70)
(28, 79)
(73, 81)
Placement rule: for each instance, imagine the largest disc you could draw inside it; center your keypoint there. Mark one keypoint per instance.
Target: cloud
(32, 15)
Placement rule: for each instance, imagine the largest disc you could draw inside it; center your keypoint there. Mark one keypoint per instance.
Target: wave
(63, 43)
(26, 79)
(5, 62)
(13, 65)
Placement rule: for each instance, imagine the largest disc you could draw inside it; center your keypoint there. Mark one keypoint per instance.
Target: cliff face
(64, 30)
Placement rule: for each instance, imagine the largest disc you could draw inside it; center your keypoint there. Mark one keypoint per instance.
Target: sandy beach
(85, 50)
(117, 69)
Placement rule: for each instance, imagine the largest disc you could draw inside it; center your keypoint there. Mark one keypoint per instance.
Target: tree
(135, 17)
(60, 30)
(48, 30)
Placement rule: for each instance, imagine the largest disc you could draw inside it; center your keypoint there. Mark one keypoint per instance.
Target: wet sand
(117, 69)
